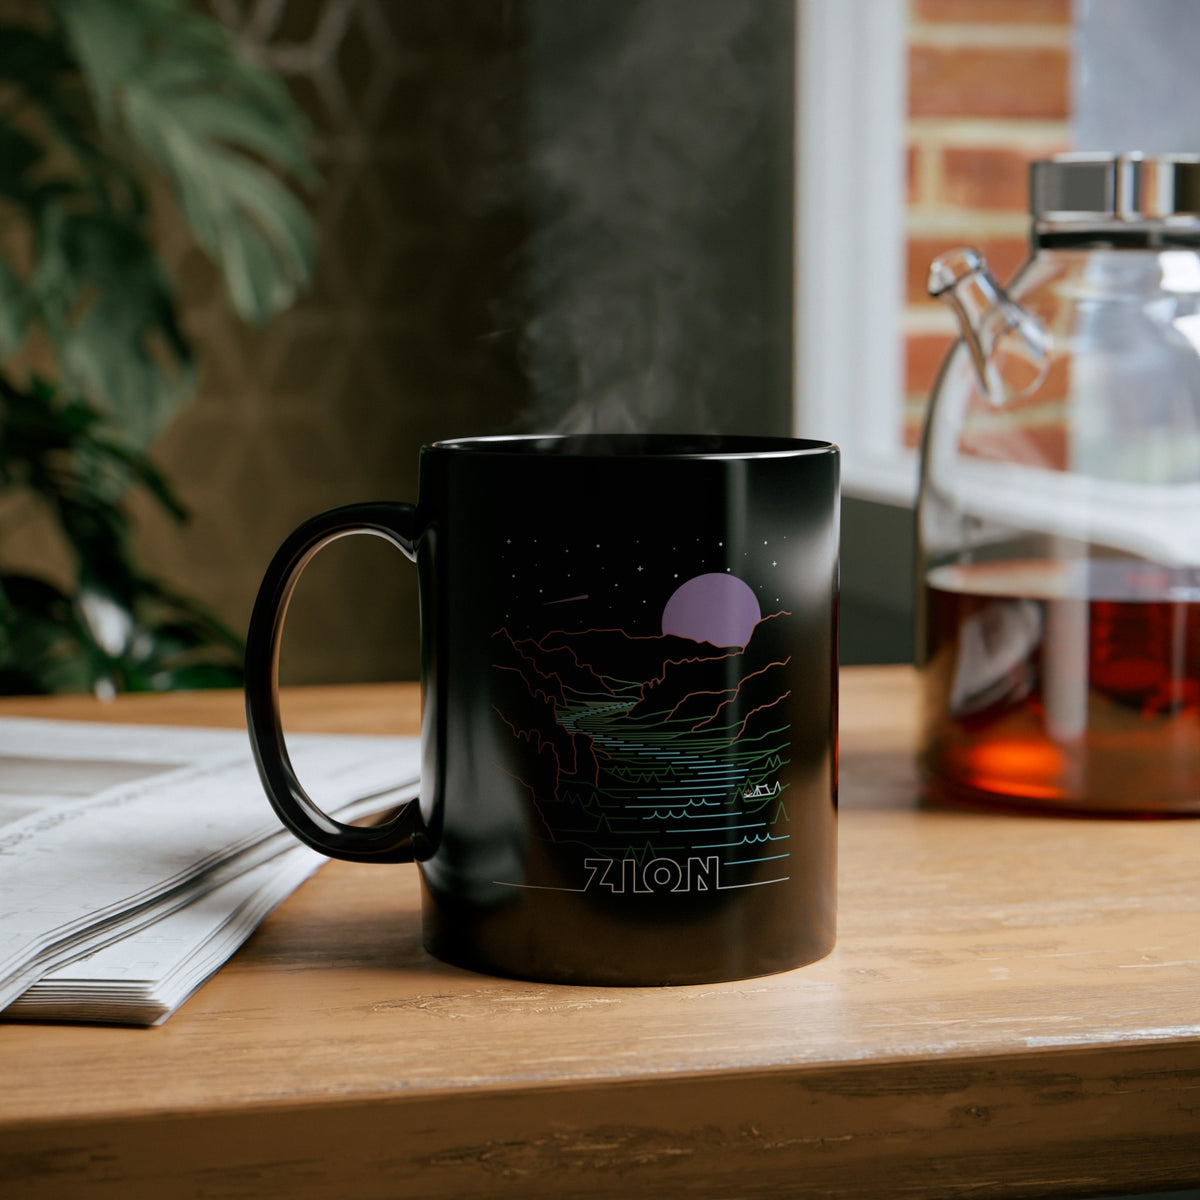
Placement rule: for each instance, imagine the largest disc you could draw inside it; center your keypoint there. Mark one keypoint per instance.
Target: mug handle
(387, 843)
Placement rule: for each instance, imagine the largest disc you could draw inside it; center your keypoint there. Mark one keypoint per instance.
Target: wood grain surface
(1013, 1009)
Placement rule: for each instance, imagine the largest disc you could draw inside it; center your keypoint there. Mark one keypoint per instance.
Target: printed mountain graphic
(700, 689)
(627, 745)
(604, 659)
(559, 664)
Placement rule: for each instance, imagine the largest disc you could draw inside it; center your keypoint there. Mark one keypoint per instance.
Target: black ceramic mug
(629, 731)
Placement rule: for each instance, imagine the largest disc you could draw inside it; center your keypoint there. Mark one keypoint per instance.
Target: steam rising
(659, 262)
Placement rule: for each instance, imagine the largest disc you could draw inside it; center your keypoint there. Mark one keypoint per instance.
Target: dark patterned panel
(396, 345)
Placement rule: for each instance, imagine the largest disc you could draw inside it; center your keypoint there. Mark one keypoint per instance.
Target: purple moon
(716, 608)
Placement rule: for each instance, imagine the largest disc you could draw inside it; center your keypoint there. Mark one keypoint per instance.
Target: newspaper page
(111, 835)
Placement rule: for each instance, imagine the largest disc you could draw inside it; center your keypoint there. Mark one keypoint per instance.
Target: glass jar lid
(1094, 189)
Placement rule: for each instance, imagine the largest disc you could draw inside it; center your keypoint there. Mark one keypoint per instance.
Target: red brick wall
(988, 92)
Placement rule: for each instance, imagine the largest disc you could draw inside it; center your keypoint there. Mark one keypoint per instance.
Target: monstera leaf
(123, 345)
(165, 78)
(115, 91)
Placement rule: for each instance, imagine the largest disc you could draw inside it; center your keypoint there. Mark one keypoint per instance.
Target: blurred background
(536, 215)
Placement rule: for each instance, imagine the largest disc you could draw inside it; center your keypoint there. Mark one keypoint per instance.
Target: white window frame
(851, 113)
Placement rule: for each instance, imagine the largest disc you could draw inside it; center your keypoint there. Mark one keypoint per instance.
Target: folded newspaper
(134, 860)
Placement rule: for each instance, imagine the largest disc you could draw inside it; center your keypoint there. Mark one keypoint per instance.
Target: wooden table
(1013, 1009)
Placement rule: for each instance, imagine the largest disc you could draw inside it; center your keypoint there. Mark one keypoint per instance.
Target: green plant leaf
(110, 311)
(195, 675)
(18, 156)
(40, 647)
(92, 640)
(32, 60)
(141, 470)
(172, 84)
(13, 315)
(60, 452)
(50, 131)
(182, 612)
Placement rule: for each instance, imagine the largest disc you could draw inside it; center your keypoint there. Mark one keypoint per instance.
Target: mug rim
(636, 446)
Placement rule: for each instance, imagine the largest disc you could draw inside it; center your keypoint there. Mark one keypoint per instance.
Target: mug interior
(636, 445)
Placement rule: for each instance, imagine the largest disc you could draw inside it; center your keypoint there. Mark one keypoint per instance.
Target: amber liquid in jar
(1067, 686)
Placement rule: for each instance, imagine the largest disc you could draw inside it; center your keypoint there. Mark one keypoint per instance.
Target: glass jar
(1058, 522)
